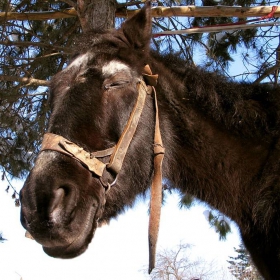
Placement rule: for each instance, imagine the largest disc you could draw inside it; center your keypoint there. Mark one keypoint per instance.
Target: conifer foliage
(242, 266)
(30, 53)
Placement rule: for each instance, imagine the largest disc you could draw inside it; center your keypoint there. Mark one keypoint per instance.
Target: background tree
(178, 264)
(242, 266)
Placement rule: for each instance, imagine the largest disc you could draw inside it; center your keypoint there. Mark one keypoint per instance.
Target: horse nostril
(63, 204)
(58, 199)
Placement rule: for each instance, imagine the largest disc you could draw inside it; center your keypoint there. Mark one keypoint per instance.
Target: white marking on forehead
(113, 67)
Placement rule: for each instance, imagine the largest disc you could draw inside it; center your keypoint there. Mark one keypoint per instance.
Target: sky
(118, 251)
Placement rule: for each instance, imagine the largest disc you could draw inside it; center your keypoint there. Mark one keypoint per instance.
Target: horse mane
(251, 111)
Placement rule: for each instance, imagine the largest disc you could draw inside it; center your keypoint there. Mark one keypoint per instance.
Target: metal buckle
(108, 185)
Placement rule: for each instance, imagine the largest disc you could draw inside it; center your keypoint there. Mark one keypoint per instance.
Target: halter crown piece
(117, 154)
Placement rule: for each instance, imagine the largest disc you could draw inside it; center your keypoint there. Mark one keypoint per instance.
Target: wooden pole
(211, 11)
(182, 11)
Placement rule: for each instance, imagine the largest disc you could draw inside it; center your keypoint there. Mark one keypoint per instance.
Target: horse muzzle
(61, 212)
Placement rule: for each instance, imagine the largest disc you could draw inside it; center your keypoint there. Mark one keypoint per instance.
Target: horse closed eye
(116, 84)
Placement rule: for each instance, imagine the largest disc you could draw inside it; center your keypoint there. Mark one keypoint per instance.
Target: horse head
(92, 100)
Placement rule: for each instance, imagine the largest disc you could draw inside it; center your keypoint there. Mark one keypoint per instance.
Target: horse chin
(75, 245)
(74, 249)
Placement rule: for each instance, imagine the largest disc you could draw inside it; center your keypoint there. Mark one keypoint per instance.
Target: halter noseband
(117, 154)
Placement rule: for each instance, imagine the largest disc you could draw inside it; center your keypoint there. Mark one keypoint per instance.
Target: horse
(220, 138)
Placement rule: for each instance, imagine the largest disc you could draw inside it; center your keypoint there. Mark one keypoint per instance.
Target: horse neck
(202, 156)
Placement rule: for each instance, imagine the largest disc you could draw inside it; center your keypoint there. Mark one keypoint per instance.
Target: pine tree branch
(35, 44)
(24, 80)
(160, 11)
(10, 185)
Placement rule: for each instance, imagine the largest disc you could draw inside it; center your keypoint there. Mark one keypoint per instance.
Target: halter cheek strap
(120, 151)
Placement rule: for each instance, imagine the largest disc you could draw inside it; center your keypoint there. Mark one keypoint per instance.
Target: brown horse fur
(221, 139)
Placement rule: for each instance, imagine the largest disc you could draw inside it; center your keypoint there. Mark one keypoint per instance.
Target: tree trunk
(96, 14)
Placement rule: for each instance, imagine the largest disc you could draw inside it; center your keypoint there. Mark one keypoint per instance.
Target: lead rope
(156, 193)
(156, 188)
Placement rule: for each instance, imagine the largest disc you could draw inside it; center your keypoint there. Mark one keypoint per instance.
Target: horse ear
(138, 29)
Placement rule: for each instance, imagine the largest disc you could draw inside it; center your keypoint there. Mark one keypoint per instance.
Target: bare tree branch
(266, 73)
(24, 80)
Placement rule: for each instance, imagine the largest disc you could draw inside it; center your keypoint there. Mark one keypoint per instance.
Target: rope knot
(148, 76)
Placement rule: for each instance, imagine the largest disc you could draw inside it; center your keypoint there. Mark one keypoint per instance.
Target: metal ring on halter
(108, 185)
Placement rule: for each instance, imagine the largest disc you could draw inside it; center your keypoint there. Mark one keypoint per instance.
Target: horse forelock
(112, 67)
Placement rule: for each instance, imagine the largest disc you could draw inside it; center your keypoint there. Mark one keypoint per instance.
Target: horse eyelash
(116, 84)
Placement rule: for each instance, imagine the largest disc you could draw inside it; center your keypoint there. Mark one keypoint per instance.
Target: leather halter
(117, 154)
